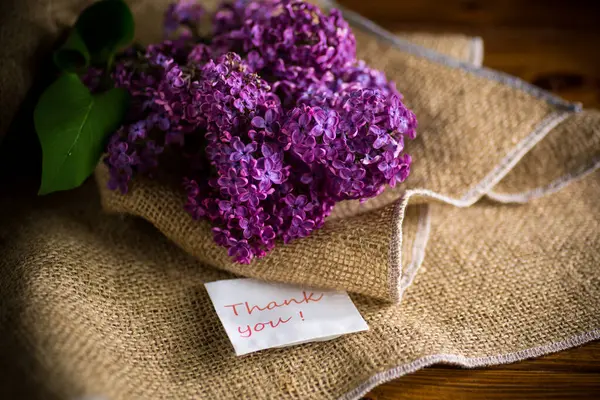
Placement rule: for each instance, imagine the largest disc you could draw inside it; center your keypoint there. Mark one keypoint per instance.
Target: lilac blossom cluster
(271, 119)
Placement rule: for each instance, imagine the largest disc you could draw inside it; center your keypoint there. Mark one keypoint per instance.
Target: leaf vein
(68, 153)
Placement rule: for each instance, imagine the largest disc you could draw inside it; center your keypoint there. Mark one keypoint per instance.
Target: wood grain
(551, 43)
(571, 374)
(555, 45)
(558, 14)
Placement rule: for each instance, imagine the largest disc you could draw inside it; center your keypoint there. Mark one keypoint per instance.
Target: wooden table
(554, 44)
(571, 374)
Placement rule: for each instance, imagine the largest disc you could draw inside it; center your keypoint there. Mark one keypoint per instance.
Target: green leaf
(105, 27)
(73, 55)
(72, 125)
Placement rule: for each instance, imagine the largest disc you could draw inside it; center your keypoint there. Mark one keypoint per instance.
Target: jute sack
(98, 304)
(475, 125)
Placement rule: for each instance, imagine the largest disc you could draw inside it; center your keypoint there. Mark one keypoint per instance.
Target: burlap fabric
(475, 126)
(106, 304)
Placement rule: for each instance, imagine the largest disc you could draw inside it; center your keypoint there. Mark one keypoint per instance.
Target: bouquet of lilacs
(271, 120)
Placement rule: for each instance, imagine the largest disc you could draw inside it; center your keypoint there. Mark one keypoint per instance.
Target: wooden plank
(557, 14)
(564, 62)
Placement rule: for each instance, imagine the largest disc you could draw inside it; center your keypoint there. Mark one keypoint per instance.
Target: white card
(259, 315)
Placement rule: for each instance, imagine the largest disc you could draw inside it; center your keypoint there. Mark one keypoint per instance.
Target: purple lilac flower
(299, 228)
(241, 151)
(292, 39)
(137, 131)
(253, 196)
(184, 12)
(268, 172)
(270, 123)
(271, 152)
(120, 161)
(240, 250)
(325, 124)
(272, 120)
(200, 54)
(229, 16)
(92, 78)
(231, 184)
(297, 205)
(221, 236)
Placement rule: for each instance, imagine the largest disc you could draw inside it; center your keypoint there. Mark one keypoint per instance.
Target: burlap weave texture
(97, 304)
(474, 127)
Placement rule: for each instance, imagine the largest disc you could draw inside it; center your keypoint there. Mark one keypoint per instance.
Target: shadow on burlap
(500, 218)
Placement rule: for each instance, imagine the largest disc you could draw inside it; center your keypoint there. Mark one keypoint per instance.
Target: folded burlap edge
(564, 109)
(554, 186)
(399, 277)
(474, 68)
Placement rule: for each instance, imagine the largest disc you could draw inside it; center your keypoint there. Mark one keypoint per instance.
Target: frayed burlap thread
(109, 305)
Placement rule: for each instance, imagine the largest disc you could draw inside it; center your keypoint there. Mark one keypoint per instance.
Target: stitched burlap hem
(97, 304)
